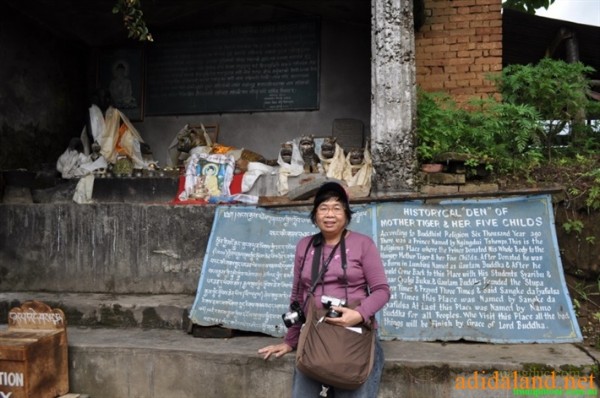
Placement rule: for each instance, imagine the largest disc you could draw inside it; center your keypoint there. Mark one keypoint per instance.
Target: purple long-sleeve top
(364, 269)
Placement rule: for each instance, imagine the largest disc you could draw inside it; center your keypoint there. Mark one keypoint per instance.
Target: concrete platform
(127, 363)
(126, 346)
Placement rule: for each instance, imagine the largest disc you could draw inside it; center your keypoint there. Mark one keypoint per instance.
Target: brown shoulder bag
(334, 355)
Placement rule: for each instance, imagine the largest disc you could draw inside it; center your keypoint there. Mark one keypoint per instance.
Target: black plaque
(266, 67)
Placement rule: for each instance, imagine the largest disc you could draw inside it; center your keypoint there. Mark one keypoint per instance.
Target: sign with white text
(478, 270)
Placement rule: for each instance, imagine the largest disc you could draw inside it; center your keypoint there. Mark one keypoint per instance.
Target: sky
(580, 11)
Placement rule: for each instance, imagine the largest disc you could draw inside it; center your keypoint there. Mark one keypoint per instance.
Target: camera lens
(294, 316)
(291, 318)
(333, 313)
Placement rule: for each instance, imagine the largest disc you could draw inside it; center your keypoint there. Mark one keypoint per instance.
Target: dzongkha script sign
(478, 270)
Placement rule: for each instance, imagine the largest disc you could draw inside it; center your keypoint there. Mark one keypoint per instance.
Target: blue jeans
(305, 387)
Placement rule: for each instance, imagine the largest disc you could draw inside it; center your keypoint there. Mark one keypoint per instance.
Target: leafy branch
(528, 6)
(133, 19)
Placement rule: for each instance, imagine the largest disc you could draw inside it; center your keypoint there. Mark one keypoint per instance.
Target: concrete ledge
(136, 190)
(118, 248)
(438, 189)
(167, 311)
(128, 363)
(478, 188)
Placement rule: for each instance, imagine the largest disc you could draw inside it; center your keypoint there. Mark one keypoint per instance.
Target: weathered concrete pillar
(393, 93)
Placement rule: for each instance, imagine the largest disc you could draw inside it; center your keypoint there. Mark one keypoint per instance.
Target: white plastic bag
(70, 162)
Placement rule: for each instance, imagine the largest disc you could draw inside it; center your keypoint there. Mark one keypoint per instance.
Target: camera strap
(318, 276)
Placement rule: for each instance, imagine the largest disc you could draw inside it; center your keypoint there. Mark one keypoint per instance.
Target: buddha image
(120, 87)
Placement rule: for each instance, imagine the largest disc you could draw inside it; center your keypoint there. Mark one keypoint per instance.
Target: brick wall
(458, 46)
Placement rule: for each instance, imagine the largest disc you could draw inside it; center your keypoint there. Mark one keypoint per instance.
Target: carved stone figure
(286, 152)
(96, 148)
(328, 147)
(307, 150)
(356, 158)
(189, 138)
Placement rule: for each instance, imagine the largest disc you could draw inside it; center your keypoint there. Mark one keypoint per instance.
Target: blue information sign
(478, 270)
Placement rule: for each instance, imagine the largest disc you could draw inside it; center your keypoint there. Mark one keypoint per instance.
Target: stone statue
(328, 147)
(356, 158)
(96, 148)
(189, 138)
(286, 152)
(307, 150)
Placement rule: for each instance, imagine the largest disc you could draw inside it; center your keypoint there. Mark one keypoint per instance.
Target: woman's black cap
(327, 191)
(337, 189)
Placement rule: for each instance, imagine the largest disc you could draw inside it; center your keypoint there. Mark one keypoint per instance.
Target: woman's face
(331, 217)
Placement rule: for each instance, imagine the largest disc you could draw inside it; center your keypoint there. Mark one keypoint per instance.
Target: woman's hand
(277, 350)
(349, 317)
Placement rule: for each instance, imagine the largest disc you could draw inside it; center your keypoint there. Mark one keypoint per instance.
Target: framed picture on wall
(120, 79)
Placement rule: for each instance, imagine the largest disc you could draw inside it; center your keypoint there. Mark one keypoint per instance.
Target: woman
(366, 283)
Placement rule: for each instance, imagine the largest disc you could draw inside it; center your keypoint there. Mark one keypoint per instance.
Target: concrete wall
(108, 248)
(46, 91)
(44, 97)
(345, 92)
(42, 92)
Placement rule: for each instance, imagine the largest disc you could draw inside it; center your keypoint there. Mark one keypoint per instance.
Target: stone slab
(135, 190)
(167, 311)
(152, 363)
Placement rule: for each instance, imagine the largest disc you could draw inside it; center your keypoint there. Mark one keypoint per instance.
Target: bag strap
(316, 275)
(313, 239)
(315, 266)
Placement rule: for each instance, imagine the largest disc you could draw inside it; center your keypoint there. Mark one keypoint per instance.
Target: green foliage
(490, 132)
(573, 226)
(437, 131)
(133, 19)
(556, 89)
(514, 137)
(528, 6)
(582, 290)
(580, 176)
(593, 194)
(590, 239)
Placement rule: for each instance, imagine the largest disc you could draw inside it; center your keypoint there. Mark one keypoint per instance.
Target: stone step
(132, 362)
(149, 352)
(162, 311)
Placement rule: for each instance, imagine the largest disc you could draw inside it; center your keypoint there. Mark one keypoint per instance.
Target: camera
(294, 315)
(330, 302)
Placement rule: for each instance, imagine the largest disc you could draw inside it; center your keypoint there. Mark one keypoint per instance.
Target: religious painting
(120, 80)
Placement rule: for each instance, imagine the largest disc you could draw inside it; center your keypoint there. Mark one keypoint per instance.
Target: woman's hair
(331, 190)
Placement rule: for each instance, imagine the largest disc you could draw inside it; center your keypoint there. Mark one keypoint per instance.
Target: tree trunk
(393, 91)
